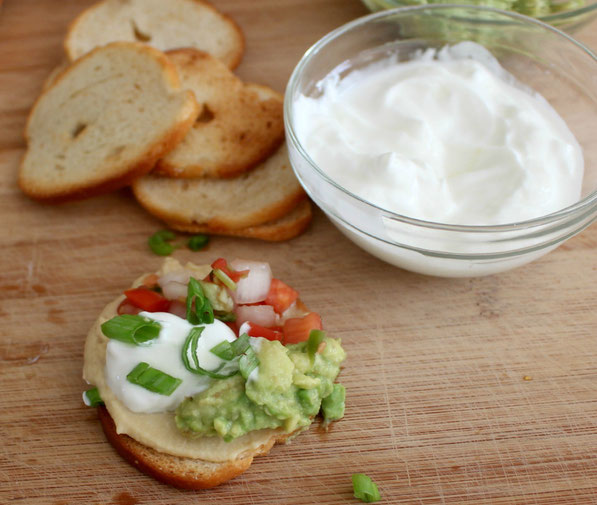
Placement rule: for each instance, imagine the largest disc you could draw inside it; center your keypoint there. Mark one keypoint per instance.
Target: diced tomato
(148, 300)
(233, 326)
(222, 265)
(126, 307)
(259, 331)
(280, 296)
(178, 308)
(297, 329)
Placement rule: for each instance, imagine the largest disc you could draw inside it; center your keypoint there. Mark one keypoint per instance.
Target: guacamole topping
(287, 392)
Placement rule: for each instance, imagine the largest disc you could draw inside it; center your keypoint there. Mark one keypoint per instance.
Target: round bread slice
(289, 226)
(240, 124)
(54, 74)
(164, 24)
(152, 442)
(103, 122)
(264, 194)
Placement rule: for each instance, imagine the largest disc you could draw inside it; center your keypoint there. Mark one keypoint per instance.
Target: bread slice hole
(80, 128)
(139, 35)
(206, 115)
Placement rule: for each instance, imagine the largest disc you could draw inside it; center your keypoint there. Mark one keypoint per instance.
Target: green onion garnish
(199, 310)
(131, 329)
(153, 379)
(159, 242)
(224, 279)
(223, 351)
(92, 398)
(240, 345)
(190, 347)
(333, 405)
(229, 350)
(197, 242)
(315, 340)
(364, 488)
(248, 362)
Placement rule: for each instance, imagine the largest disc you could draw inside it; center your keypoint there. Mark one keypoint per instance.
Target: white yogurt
(163, 353)
(448, 137)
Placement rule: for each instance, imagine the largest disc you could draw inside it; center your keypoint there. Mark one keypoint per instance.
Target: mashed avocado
(287, 391)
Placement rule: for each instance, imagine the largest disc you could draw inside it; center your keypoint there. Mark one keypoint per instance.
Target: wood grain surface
(459, 391)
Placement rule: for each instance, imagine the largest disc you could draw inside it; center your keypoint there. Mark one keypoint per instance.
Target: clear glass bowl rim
(587, 204)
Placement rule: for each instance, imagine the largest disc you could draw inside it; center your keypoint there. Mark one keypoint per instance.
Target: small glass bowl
(538, 55)
(569, 20)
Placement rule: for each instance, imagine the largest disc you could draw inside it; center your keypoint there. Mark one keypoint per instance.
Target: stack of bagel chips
(201, 149)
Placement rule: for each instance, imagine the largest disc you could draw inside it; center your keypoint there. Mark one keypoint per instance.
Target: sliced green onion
(248, 362)
(197, 242)
(199, 310)
(131, 329)
(224, 279)
(240, 345)
(159, 242)
(315, 340)
(190, 347)
(223, 351)
(364, 488)
(153, 380)
(229, 350)
(333, 405)
(92, 398)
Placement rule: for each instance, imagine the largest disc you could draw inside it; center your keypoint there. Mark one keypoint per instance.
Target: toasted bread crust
(115, 173)
(243, 125)
(222, 203)
(285, 228)
(232, 58)
(180, 472)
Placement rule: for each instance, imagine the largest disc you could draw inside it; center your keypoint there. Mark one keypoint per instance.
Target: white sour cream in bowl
(448, 137)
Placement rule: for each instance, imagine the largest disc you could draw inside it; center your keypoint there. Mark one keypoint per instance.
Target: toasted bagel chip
(162, 24)
(289, 226)
(264, 194)
(104, 121)
(240, 125)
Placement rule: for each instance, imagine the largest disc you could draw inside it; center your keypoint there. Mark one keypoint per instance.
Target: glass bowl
(566, 15)
(538, 55)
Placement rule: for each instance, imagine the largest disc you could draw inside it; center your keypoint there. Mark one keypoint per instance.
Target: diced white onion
(293, 311)
(255, 286)
(262, 315)
(244, 328)
(180, 276)
(174, 290)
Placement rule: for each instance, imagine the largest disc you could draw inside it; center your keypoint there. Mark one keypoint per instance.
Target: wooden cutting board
(476, 390)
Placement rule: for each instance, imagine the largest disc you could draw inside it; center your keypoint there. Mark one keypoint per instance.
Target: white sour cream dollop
(163, 353)
(449, 137)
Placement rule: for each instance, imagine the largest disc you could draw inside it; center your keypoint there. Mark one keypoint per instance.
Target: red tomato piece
(297, 329)
(222, 264)
(280, 296)
(148, 300)
(259, 331)
(178, 308)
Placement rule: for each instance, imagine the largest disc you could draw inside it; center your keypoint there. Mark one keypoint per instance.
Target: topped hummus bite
(201, 368)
